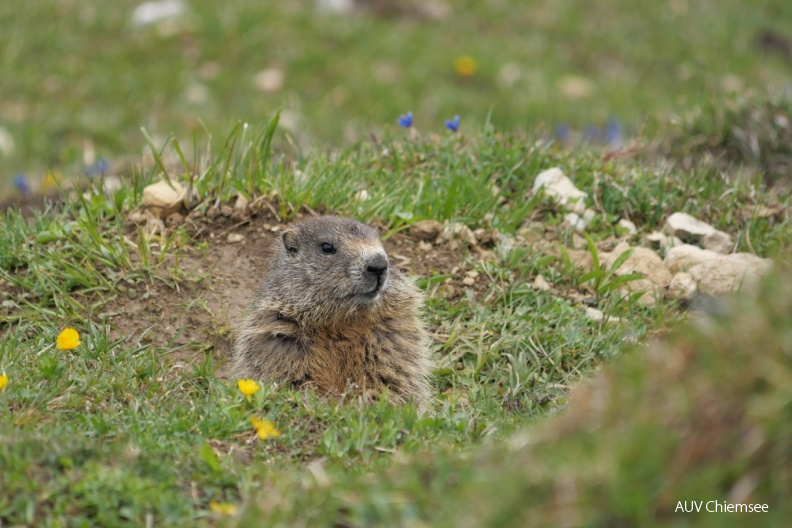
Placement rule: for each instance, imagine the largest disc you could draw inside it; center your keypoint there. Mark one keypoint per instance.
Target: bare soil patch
(204, 287)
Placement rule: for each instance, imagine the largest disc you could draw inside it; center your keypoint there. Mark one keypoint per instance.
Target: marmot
(334, 314)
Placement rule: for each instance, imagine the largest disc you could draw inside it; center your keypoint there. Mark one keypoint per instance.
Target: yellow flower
(68, 339)
(465, 66)
(223, 508)
(264, 428)
(248, 386)
(3, 380)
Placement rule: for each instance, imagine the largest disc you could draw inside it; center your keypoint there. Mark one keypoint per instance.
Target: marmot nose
(377, 266)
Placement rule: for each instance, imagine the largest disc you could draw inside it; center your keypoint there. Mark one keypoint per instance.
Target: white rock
(541, 284)
(362, 195)
(509, 74)
(152, 12)
(269, 80)
(161, 194)
(434, 9)
(627, 226)
(468, 281)
(426, 230)
(730, 273)
(241, 203)
(458, 231)
(161, 199)
(197, 93)
(561, 189)
(575, 86)
(716, 273)
(688, 228)
(597, 315)
(683, 286)
(594, 314)
(642, 260)
(685, 256)
(647, 263)
(111, 184)
(335, 6)
(580, 222)
(7, 145)
(233, 238)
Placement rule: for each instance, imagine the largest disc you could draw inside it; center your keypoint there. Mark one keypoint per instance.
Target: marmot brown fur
(332, 313)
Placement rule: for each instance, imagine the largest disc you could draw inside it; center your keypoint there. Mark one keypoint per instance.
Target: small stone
(434, 9)
(111, 184)
(558, 186)
(458, 231)
(575, 86)
(690, 229)
(594, 314)
(149, 13)
(7, 145)
(241, 203)
(468, 281)
(424, 246)
(580, 222)
(233, 238)
(576, 221)
(426, 230)
(627, 226)
(362, 195)
(487, 237)
(541, 284)
(335, 6)
(162, 199)
(473, 274)
(682, 287)
(197, 93)
(226, 210)
(269, 80)
(597, 315)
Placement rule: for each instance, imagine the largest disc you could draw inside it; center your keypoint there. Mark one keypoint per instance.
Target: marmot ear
(289, 238)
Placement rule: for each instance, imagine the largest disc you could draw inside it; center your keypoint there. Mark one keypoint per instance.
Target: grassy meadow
(543, 416)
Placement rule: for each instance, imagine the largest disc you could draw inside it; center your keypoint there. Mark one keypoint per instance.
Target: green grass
(113, 433)
(117, 433)
(78, 74)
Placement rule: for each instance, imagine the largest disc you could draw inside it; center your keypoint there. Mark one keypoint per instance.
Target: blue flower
(21, 183)
(99, 167)
(562, 132)
(453, 124)
(614, 133)
(406, 120)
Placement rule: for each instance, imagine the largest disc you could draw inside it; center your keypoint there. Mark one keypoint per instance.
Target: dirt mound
(203, 288)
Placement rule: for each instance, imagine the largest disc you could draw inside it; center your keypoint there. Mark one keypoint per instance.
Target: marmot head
(334, 262)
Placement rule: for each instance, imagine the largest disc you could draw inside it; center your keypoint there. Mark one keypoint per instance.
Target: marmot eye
(328, 248)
